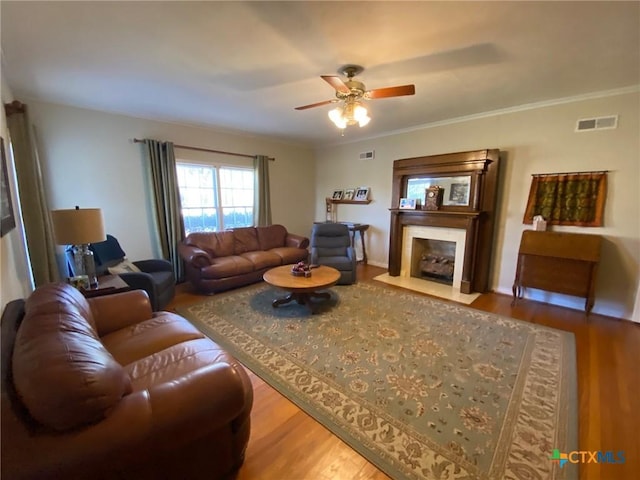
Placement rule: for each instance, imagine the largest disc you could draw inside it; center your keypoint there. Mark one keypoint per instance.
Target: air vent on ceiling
(599, 123)
(370, 155)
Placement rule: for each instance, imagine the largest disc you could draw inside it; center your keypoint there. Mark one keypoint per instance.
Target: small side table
(358, 228)
(107, 285)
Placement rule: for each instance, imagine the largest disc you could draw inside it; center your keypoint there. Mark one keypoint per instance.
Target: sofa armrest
(204, 399)
(195, 256)
(113, 312)
(154, 265)
(140, 281)
(296, 241)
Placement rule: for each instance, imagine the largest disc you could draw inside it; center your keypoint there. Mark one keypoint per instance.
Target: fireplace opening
(433, 260)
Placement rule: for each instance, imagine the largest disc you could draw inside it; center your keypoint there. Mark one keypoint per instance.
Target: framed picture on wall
(8, 221)
(362, 194)
(349, 193)
(337, 195)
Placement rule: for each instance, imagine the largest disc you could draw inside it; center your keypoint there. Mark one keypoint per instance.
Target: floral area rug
(422, 388)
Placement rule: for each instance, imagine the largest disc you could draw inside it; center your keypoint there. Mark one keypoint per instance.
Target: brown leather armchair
(104, 388)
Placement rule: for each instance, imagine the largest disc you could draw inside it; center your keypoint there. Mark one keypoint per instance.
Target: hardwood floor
(287, 444)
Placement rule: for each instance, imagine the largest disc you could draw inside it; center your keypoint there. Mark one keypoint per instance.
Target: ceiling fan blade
(319, 104)
(391, 91)
(337, 83)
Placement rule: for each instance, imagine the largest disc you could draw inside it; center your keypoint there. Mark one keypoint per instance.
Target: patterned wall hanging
(568, 198)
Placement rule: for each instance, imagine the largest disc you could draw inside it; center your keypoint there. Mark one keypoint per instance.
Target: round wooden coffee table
(301, 289)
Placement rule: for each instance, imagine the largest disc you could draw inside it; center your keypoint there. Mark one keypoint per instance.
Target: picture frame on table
(362, 194)
(407, 204)
(337, 195)
(8, 220)
(349, 194)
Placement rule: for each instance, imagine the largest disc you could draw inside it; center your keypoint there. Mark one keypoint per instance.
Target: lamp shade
(78, 226)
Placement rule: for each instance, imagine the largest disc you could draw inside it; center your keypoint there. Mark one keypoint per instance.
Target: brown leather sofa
(216, 261)
(104, 388)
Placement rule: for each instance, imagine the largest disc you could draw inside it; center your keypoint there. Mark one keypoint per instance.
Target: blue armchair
(331, 246)
(155, 276)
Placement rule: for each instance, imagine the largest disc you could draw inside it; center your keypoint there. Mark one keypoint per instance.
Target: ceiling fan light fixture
(361, 115)
(352, 113)
(338, 118)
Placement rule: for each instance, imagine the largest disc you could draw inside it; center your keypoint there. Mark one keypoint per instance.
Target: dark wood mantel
(477, 218)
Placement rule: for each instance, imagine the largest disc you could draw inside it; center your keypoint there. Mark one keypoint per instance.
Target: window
(215, 198)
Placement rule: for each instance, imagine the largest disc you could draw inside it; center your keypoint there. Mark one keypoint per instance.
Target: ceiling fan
(351, 93)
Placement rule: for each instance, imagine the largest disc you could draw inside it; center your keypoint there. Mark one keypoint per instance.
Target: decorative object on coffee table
(302, 269)
(302, 289)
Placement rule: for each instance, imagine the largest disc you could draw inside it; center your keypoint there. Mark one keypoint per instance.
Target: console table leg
(364, 249)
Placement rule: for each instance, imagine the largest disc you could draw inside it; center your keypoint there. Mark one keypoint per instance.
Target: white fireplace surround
(447, 234)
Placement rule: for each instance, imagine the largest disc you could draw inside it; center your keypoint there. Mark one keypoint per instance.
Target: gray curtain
(38, 229)
(162, 169)
(261, 192)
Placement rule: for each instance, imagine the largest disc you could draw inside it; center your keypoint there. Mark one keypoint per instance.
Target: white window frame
(217, 187)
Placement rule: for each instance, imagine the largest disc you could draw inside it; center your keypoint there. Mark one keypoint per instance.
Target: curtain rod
(200, 149)
(566, 173)
(14, 107)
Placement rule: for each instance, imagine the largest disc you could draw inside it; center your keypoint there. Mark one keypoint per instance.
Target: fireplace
(465, 219)
(422, 241)
(433, 260)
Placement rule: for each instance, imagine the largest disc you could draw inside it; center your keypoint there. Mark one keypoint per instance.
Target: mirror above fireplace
(457, 189)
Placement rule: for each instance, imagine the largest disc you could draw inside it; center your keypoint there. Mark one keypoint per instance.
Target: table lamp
(78, 228)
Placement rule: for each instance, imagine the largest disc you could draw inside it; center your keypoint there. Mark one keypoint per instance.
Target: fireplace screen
(433, 260)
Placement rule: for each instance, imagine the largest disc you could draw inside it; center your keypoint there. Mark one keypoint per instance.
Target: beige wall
(89, 159)
(534, 140)
(15, 280)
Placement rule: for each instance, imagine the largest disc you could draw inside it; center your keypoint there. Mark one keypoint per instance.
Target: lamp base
(85, 265)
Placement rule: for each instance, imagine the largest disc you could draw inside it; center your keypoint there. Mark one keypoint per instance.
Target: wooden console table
(558, 262)
(358, 228)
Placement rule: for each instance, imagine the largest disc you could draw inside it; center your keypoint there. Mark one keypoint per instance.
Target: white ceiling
(246, 65)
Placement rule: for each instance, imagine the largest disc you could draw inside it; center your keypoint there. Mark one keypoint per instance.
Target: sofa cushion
(245, 240)
(164, 330)
(226, 267)
(331, 251)
(175, 362)
(290, 254)
(217, 244)
(261, 259)
(272, 236)
(63, 374)
(340, 262)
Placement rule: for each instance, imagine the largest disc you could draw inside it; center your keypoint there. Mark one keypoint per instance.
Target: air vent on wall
(599, 123)
(370, 155)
